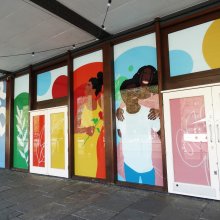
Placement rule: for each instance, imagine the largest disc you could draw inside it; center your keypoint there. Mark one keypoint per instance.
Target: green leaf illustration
(95, 121)
(118, 83)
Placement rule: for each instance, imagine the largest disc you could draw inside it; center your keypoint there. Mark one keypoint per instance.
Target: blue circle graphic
(135, 58)
(43, 83)
(181, 63)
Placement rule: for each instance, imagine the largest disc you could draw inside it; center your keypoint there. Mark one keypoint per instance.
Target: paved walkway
(28, 196)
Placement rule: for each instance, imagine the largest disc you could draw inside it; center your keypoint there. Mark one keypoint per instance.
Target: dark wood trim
(196, 20)
(141, 186)
(134, 35)
(22, 73)
(52, 65)
(188, 82)
(86, 51)
(192, 13)
(72, 17)
(32, 98)
(9, 122)
(32, 89)
(89, 179)
(51, 103)
(70, 115)
(109, 114)
(120, 183)
(160, 84)
(5, 72)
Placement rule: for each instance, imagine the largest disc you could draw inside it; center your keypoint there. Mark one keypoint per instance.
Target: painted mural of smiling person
(136, 127)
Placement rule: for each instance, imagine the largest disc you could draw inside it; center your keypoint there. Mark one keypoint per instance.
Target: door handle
(210, 130)
(218, 139)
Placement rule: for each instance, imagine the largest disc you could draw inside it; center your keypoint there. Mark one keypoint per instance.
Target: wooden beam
(70, 115)
(109, 112)
(9, 122)
(72, 17)
(4, 71)
(160, 84)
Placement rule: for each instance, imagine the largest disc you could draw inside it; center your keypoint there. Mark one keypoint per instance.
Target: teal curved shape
(181, 63)
(128, 63)
(43, 83)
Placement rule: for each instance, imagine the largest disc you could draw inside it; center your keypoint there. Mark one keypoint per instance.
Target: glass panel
(89, 144)
(39, 141)
(189, 140)
(21, 122)
(194, 49)
(2, 122)
(137, 112)
(52, 84)
(57, 140)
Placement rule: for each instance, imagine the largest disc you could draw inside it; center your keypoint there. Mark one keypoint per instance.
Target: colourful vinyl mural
(89, 145)
(2, 122)
(137, 112)
(195, 49)
(190, 154)
(52, 84)
(21, 122)
(57, 140)
(39, 141)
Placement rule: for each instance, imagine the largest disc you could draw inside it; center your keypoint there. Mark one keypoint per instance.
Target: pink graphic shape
(189, 141)
(39, 141)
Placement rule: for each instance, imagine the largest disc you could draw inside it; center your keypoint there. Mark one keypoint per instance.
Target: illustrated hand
(119, 133)
(119, 114)
(154, 113)
(90, 130)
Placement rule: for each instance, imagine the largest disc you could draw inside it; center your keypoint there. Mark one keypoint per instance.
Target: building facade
(140, 110)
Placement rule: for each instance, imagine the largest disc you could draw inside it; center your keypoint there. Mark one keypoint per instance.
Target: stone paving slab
(26, 196)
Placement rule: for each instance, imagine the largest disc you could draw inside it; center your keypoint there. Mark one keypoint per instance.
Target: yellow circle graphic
(211, 45)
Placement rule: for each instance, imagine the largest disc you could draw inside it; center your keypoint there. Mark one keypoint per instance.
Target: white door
(49, 142)
(216, 106)
(57, 134)
(38, 154)
(190, 143)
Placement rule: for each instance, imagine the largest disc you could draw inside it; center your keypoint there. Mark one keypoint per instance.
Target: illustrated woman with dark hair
(89, 132)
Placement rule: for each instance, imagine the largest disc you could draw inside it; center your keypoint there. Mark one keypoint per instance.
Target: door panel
(191, 150)
(37, 142)
(58, 142)
(189, 140)
(49, 145)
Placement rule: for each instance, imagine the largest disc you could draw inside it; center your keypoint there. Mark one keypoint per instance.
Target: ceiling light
(33, 54)
(109, 2)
